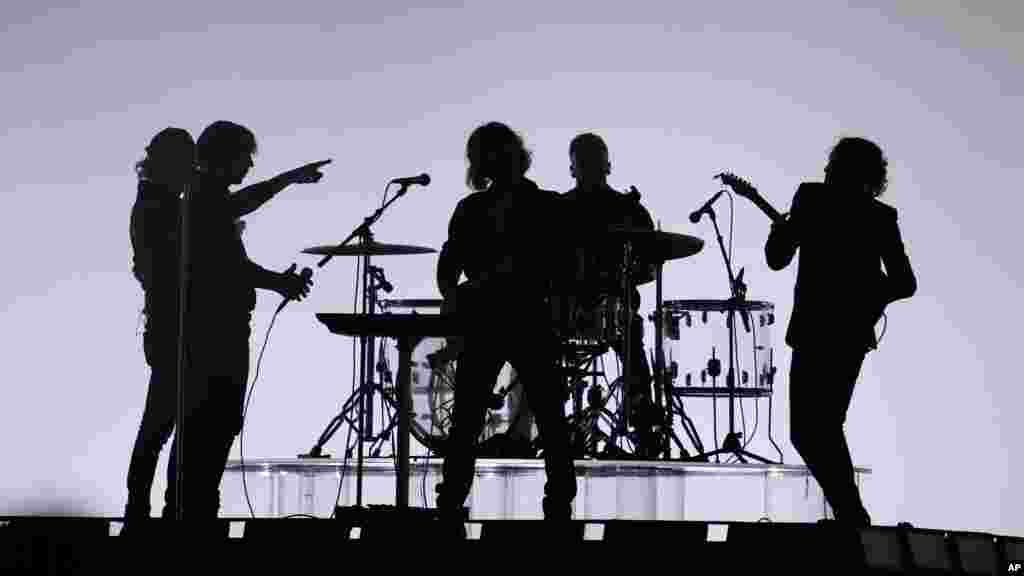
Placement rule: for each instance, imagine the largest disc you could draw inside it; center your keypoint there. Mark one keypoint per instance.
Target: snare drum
(696, 346)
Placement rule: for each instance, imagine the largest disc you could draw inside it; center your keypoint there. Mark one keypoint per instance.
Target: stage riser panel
(513, 490)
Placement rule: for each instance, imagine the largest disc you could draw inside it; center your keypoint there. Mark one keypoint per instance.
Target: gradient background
(679, 92)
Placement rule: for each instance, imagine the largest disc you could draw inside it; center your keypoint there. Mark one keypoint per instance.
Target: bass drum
(509, 428)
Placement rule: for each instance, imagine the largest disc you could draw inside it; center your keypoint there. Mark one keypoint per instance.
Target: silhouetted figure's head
(225, 151)
(857, 164)
(495, 154)
(588, 161)
(170, 158)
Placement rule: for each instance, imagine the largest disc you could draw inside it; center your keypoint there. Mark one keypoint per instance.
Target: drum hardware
(372, 282)
(408, 330)
(642, 251)
(585, 421)
(735, 304)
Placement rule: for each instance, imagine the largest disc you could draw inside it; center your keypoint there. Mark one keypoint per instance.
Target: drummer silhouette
(844, 235)
(595, 205)
(497, 237)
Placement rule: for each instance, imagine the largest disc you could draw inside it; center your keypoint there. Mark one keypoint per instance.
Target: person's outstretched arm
(250, 198)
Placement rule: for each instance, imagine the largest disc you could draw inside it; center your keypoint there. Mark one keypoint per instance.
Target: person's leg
(477, 370)
(535, 359)
(220, 421)
(203, 372)
(155, 427)
(821, 387)
(210, 432)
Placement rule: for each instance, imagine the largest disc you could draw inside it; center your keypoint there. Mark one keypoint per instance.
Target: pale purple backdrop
(680, 92)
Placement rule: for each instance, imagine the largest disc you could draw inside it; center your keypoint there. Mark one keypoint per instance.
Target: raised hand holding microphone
(294, 286)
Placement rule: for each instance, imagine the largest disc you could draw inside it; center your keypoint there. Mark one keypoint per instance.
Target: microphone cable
(245, 411)
(245, 408)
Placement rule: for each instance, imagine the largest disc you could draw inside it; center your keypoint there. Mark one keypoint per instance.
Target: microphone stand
(367, 366)
(184, 247)
(363, 229)
(738, 290)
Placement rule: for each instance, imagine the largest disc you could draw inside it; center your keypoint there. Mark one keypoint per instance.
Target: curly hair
(166, 147)
(221, 141)
(494, 150)
(858, 162)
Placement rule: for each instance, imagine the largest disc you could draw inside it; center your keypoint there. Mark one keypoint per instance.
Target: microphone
(422, 180)
(306, 275)
(696, 214)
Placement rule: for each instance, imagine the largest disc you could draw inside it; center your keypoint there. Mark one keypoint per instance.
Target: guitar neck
(765, 207)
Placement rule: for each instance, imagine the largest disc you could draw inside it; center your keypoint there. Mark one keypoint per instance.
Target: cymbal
(657, 245)
(413, 303)
(371, 249)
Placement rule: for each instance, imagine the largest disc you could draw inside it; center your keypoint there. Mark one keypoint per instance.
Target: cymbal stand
(663, 387)
(627, 337)
(372, 281)
(738, 289)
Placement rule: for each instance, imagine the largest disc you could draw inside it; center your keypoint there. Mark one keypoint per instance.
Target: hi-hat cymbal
(370, 248)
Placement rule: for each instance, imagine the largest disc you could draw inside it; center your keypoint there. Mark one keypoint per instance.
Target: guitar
(875, 309)
(746, 190)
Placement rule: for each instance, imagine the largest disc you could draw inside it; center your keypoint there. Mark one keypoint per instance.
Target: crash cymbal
(655, 245)
(663, 246)
(371, 249)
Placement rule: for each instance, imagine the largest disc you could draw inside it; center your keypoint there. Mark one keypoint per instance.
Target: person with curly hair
(845, 235)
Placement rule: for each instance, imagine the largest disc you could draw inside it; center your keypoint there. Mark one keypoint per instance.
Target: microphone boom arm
(363, 229)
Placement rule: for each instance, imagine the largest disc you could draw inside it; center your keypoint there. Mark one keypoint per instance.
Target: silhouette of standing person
(222, 296)
(499, 237)
(845, 235)
(163, 174)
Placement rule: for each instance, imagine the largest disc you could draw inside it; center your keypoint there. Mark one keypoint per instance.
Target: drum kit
(589, 323)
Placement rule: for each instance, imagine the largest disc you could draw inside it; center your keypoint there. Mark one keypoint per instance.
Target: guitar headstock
(739, 185)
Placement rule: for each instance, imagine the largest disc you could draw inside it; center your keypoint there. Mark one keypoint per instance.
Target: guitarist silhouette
(502, 237)
(845, 236)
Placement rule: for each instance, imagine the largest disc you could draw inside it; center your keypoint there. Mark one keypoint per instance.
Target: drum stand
(584, 422)
(731, 444)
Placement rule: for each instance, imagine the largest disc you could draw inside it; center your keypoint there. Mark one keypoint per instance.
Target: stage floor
(509, 489)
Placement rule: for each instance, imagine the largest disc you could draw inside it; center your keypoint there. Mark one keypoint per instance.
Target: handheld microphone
(422, 180)
(306, 274)
(696, 214)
